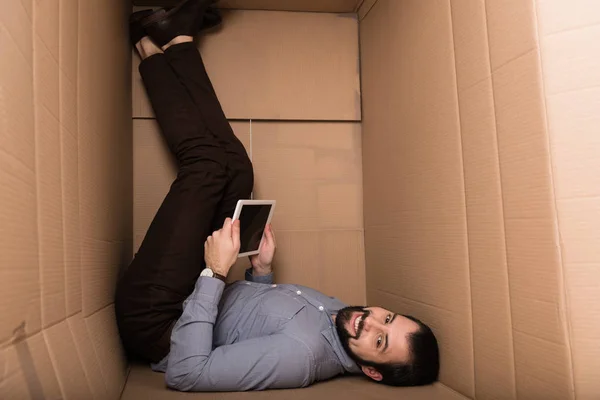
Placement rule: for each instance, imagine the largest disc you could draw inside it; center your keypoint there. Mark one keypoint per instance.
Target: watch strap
(213, 274)
(219, 276)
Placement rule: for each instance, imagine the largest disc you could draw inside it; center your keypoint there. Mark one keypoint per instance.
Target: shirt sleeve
(270, 362)
(268, 279)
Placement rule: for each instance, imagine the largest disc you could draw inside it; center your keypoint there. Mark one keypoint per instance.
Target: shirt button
(321, 308)
(273, 285)
(298, 292)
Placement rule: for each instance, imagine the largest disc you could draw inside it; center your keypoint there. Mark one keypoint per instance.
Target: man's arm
(270, 362)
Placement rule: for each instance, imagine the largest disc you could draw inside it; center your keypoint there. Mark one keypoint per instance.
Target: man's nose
(371, 323)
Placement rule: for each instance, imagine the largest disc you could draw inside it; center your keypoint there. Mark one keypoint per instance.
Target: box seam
(515, 390)
(359, 4)
(564, 299)
(80, 354)
(368, 11)
(35, 105)
(466, 207)
(53, 360)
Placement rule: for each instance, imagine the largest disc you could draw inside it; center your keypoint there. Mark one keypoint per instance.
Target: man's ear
(372, 373)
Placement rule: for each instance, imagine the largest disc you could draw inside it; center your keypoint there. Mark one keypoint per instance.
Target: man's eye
(388, 319)
(379, 340)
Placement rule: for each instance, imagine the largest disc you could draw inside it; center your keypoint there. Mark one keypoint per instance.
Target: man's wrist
(260, 270)
(216, 272)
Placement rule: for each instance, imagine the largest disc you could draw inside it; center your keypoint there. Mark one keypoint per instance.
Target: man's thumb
(235, 232)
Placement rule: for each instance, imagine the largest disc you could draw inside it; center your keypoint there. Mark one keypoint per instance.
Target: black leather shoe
(184, 19)
(212, 19)
(136, 30)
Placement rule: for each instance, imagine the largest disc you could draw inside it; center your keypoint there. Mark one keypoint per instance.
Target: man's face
(374, 334)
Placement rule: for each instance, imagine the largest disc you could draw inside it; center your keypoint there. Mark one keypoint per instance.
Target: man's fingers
(270, 234)
(226, 222)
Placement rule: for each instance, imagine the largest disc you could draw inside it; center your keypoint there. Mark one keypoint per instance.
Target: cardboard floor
(143, 383)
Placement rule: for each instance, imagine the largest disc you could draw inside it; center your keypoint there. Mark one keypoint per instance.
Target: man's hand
(261, 262)
(222, 247)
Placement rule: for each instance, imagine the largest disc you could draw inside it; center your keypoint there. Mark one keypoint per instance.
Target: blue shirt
(254, 335)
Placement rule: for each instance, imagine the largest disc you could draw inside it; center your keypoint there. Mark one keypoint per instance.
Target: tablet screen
(253, 220)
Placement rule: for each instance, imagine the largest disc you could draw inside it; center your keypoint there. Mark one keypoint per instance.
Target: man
(173, 306)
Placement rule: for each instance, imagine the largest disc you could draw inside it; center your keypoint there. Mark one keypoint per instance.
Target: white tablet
(254, 216)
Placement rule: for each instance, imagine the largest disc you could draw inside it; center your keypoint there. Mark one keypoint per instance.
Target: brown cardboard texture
(65, 129)
(438, 158)
(508, 80)
(331, 6)
(310, 60)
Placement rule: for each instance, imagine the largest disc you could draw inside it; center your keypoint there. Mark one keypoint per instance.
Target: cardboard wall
(310, 72)
(295, 108)
(294, 103)
(66, 197)
(332, 6)
(570, 67)
(477, 156)
(479, 186)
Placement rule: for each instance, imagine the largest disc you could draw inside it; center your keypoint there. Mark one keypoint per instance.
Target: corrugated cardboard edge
(328, 6)
(364, 7)
(566, 304)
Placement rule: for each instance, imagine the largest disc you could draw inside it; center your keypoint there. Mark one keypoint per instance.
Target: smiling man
(172, 304)
(390, 348)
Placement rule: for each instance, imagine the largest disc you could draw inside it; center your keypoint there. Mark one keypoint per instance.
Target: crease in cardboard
(515, 389)
(563, 307)
(387, 292)
(567, 30)
(350, 15)
(22, 164)
(25, 357)
(465, 202)
(472, 85)
(365, 8)
(483, 381)
(535, 337)
(515, 58)
(535, 124)
(90, 365)
(359, 4)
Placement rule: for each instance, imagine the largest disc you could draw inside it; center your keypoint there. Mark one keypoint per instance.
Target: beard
(343, 317)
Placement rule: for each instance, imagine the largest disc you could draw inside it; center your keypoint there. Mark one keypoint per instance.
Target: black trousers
(214, 172)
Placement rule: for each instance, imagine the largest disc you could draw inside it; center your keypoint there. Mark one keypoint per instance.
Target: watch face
(207, 272)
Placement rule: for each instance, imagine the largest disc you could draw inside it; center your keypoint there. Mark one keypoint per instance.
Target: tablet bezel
(238, 211)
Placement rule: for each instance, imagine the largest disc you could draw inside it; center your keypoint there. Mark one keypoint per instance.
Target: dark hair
(423, 365)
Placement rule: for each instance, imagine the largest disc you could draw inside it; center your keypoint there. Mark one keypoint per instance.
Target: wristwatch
(212, 274)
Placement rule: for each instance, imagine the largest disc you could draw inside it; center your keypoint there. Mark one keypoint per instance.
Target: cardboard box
(439, 157)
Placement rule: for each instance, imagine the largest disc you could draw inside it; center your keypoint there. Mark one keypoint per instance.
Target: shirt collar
(334, 340)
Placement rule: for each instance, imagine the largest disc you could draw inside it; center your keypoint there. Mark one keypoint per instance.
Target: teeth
(357, 323)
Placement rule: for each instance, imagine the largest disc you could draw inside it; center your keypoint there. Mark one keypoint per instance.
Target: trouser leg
(186, 61)
(163, 273)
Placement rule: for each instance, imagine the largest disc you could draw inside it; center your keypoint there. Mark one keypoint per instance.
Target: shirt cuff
(268, 279)
(208, 288)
